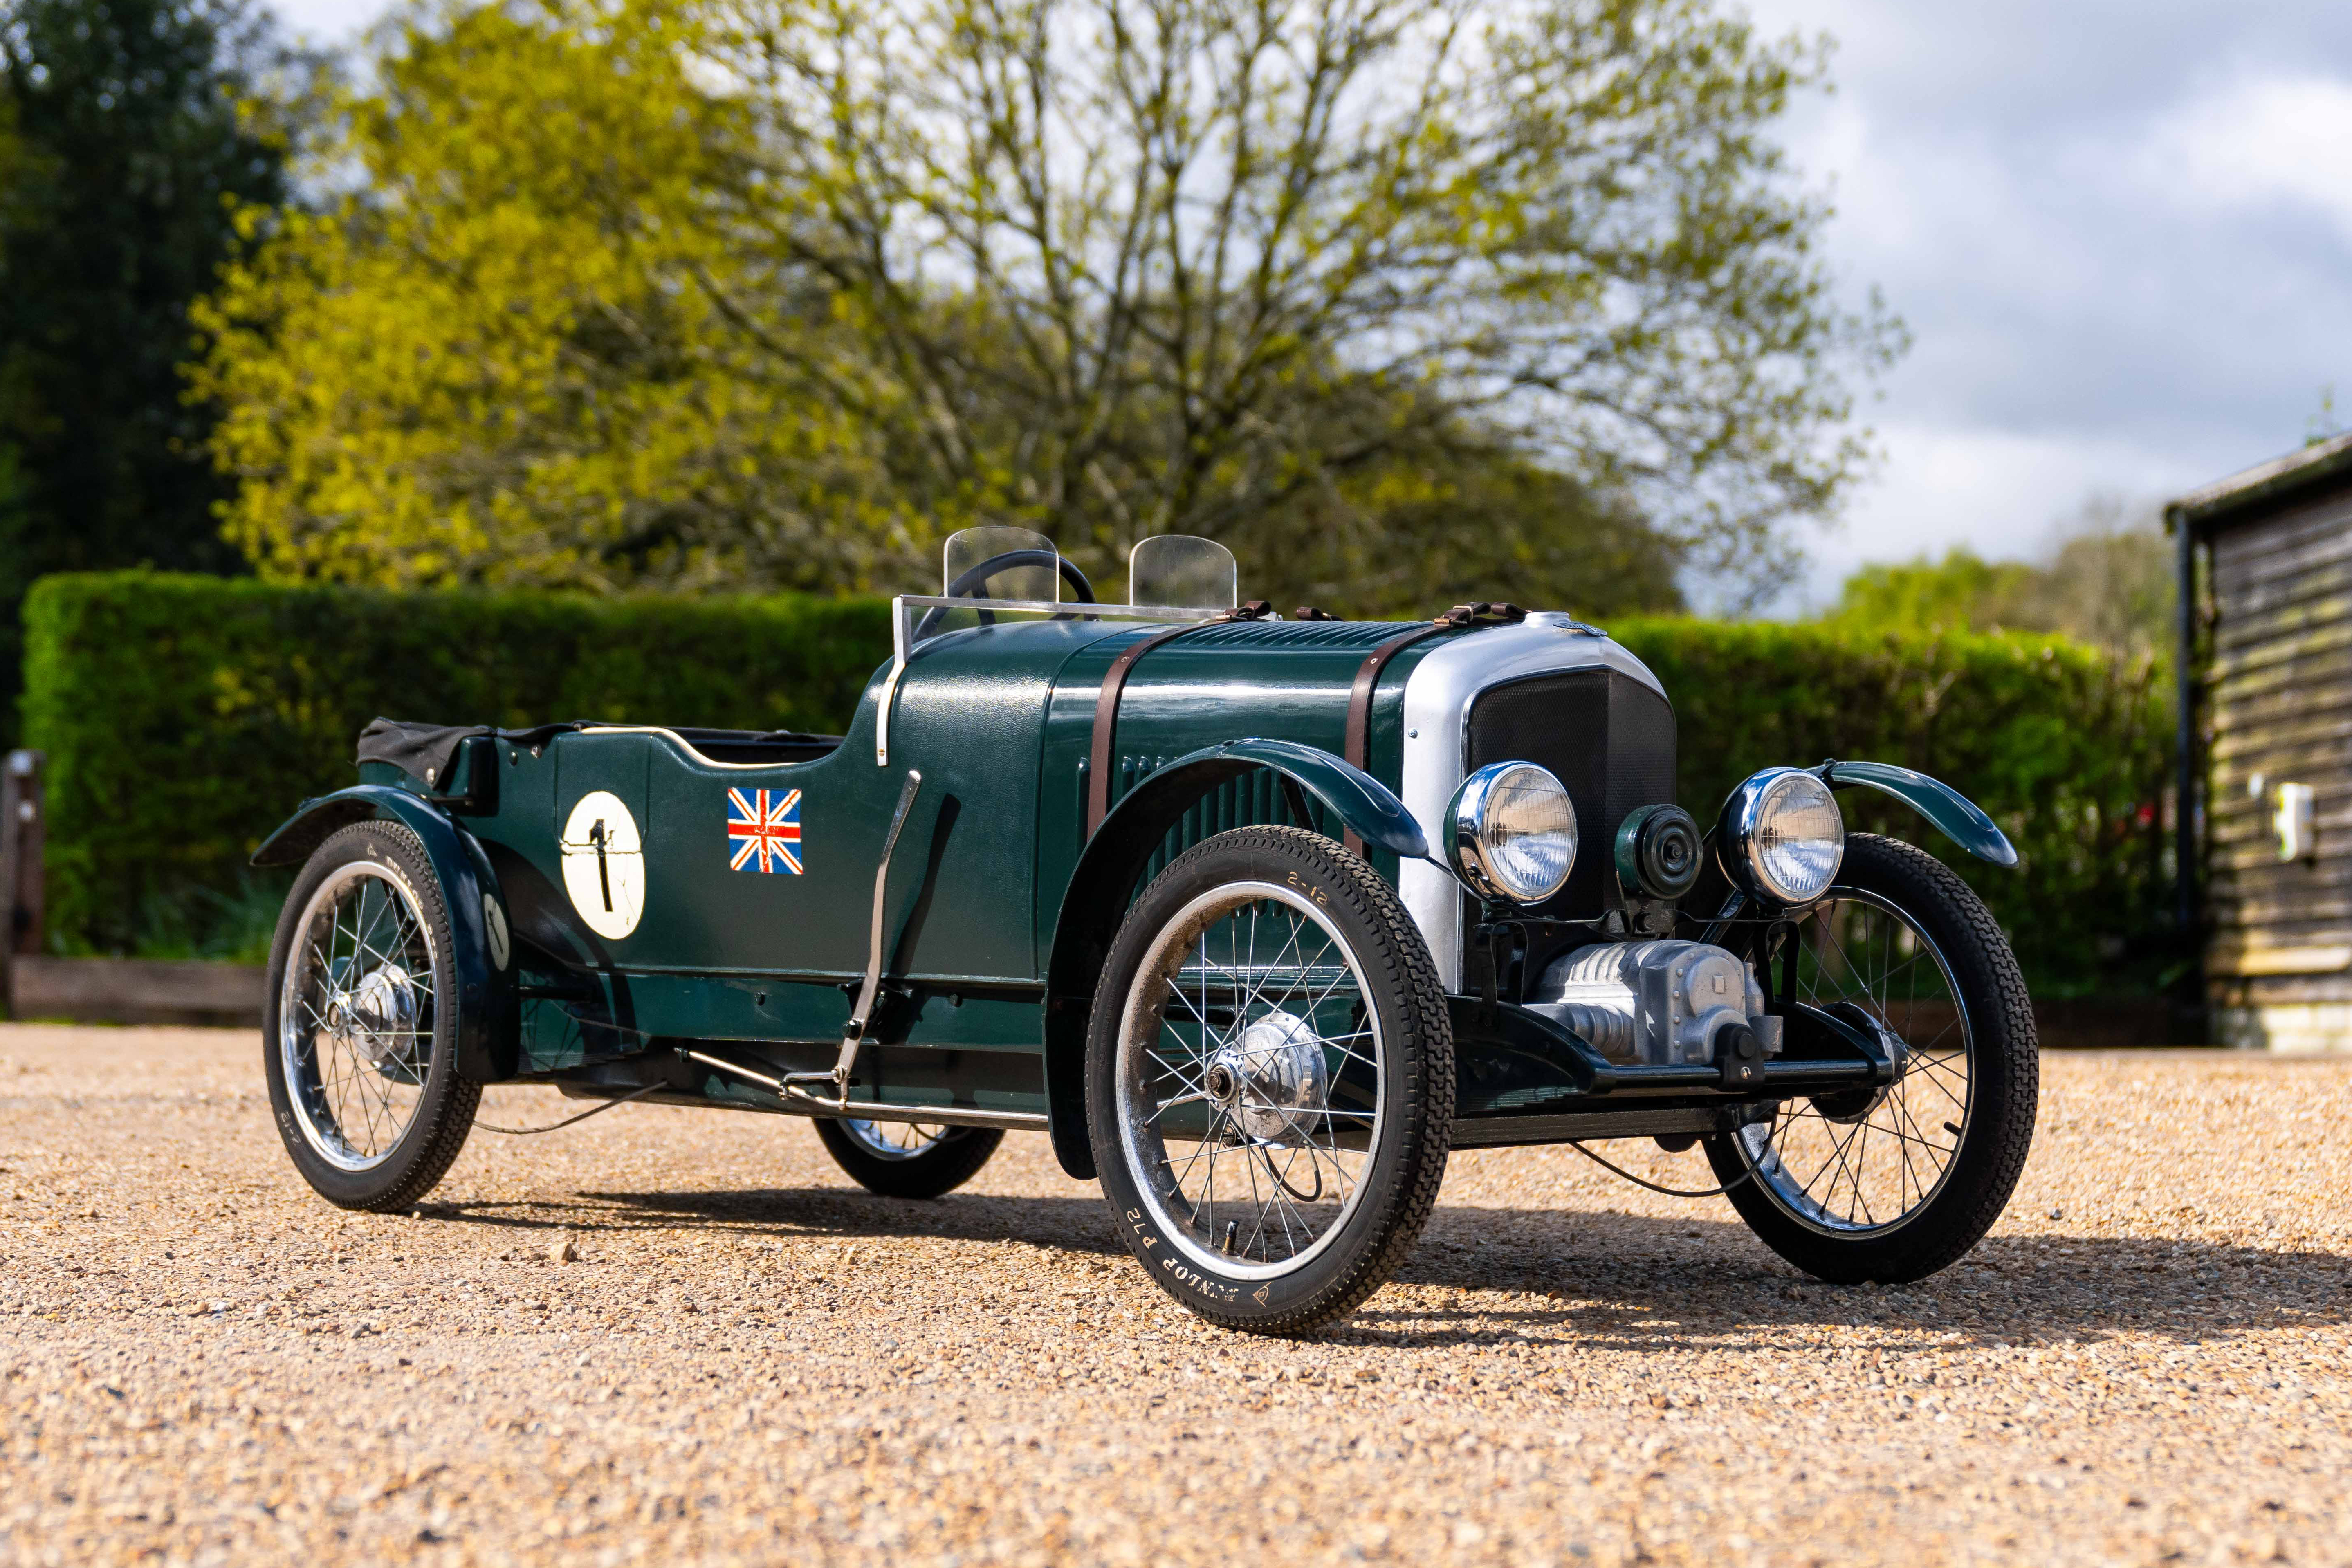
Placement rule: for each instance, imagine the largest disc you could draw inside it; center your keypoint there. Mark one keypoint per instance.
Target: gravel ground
(682, 1336)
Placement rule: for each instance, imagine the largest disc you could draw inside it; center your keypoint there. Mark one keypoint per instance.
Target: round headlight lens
(1514, 832)
(1784, 828)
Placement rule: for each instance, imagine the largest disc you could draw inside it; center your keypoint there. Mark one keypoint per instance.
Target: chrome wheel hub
(1856, 1105)
(376, 1019)
(1272, 1078)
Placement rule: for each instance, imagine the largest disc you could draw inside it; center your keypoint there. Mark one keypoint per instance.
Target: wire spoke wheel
(907, 1159)
(1893, 1183)
(1249, 1080)
(1269, 1078)
(1869, 1160)
(356, 1016)
(361, 1031)
(895, 1140)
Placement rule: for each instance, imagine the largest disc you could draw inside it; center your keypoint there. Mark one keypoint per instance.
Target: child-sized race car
(1256, 918)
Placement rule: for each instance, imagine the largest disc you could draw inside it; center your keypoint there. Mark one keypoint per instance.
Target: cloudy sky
(2121, 235)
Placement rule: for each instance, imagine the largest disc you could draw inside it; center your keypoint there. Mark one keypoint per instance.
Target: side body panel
(969, 716)
(729, 952)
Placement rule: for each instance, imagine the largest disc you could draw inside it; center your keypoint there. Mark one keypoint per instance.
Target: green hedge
(184, 715)
(2067, 747)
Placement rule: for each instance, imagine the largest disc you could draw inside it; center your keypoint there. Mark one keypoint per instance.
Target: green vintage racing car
(1256, 918)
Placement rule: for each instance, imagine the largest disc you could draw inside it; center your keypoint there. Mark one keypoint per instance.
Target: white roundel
(605, 863)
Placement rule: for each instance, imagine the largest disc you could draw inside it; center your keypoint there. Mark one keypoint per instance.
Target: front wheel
(1892, 1184)
(360, 1025)
(1269, 1080)
(907, 1159)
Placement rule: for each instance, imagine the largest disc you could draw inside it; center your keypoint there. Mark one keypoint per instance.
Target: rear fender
(1113, 861)
(488, 1034)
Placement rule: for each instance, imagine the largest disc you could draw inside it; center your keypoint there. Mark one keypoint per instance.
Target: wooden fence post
(22, 818)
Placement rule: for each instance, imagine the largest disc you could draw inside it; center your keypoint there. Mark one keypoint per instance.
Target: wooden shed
(2266, 711)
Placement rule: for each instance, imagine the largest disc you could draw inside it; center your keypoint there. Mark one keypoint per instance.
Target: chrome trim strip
(890, 687)
(1437, 698)
(882, 713)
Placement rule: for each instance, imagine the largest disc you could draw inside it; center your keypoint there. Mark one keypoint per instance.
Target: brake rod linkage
(853, 1035)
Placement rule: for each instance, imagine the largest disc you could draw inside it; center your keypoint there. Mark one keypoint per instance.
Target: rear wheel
(1894, 1184)
(907, 1159)
(361, 1023)
(1269, 1080)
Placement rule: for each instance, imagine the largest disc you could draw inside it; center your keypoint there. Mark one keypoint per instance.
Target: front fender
(1114, 859)
(488, 1018)
(1958, 816)
(1353, 796)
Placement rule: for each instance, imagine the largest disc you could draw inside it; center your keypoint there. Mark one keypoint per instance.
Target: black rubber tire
(939, 1169)
(1402, 1178)
(444, 1113)
(2005, 1072)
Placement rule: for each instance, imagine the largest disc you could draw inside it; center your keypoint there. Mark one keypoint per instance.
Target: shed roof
(2213, 505)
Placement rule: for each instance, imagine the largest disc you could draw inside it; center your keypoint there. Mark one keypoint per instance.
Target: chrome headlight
(1782, 835)
(1511, 832)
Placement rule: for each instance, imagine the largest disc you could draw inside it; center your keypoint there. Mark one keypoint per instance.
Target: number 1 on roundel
(763, 830)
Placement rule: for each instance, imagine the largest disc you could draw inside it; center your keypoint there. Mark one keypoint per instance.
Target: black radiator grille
(1607, 737)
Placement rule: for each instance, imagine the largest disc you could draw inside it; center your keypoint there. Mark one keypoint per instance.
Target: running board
(1512, 1132)
(802, 1102)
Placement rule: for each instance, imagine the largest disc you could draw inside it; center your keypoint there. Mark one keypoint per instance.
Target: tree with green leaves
(1458, 521)
(131, 143)
(520, 351)
(1399, 297)
(1170, 266)
(2107, 579)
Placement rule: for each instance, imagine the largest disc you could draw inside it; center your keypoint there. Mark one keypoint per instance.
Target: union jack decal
(763, 830)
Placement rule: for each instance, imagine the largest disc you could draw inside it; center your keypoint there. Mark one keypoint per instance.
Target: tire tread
(2005, 1075)
(449, 1107)
(1428, 1092)
(932, 1173)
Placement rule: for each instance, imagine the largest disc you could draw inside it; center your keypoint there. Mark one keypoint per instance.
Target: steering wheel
(972, 579)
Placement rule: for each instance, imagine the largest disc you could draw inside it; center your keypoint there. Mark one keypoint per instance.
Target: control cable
(1669, 1192)
(595, 1111)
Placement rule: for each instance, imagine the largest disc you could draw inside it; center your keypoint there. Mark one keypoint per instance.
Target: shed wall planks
(2278, 709)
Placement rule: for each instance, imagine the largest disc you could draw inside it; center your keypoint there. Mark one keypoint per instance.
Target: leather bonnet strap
(1115, 682)
(1486, 613)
